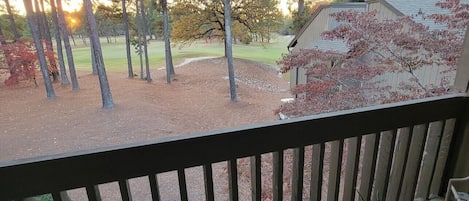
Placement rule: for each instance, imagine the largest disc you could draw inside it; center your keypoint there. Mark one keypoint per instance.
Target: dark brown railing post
(93, 193)
(277, 176)
(208, 182)
(256, 183)
(297, 174)
(154, 188)
(335, 166)
(124, 187)
(317, 164)
(233, 180)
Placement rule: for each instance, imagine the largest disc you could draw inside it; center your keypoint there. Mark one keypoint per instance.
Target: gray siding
(310, 34)
(390, 9)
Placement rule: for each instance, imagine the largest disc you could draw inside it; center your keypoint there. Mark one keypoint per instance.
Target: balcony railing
(400, 151)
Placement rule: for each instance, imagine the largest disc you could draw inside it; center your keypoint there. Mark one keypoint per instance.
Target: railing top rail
(78, 169)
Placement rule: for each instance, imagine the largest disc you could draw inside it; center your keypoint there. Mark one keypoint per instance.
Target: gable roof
(336, 7)
(414, 8)
(417, 9)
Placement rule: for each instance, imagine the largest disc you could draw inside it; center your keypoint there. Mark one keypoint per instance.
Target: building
(310, 36)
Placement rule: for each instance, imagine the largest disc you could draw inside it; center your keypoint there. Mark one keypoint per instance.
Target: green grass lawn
(115, 55)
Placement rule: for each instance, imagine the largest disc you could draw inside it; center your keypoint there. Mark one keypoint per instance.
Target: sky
(67, 5)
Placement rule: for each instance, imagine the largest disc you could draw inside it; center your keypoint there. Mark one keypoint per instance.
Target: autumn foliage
(21, 58)
(350, 79)
(22, 61)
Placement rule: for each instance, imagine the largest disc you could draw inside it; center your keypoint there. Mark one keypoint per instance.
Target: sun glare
(73, 22)
(284, 7)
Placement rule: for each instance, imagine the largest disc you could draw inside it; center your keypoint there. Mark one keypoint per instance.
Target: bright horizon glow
(69, 6)
(75, 5)
(284, 7)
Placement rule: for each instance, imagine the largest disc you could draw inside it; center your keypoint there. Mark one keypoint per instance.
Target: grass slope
(115, 58)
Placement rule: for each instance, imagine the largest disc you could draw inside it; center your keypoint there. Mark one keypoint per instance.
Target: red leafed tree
(338, 81)
(23, 59)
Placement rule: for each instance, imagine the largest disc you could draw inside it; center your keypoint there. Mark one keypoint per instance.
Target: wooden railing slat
(383, 164)
(208, 181)
(413, 162)
(56, 196)
(182, 185)
(432, 143)
(317, 164)
(233, 180)
(60, 196)
(297, 174)
(442, 157)
(335, 164)
(401, 151)
(124, 188)
(93, 193)
(277, 176)
(64, 196)
(256, 182)
(154, 188)
(367, 171)
(351, 168)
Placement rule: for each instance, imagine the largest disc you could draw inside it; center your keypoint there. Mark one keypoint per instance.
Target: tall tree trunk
(301, 7)
(145, 48)
(47, 38)
(150, 32)
(167, 42)
(13, 26)
(71, 36)
(125, 19)
(40, 51)
(106, 96)
(228, 51)
(68, 48)
(139, 33)
(94, 64)
(58, 40)
(83, 38)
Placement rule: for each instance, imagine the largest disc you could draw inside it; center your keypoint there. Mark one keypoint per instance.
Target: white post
(461, 83)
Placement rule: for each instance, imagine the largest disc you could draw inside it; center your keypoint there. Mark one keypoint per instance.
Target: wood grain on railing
(297, 174)
(396, 175)
(256, 180)
(368, 163)
(335, 162)
(351, 168)
(442, 157)
(317, 164)
(277, 176)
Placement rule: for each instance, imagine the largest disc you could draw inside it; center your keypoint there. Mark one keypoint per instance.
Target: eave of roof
(311, 19)
(389, 6)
